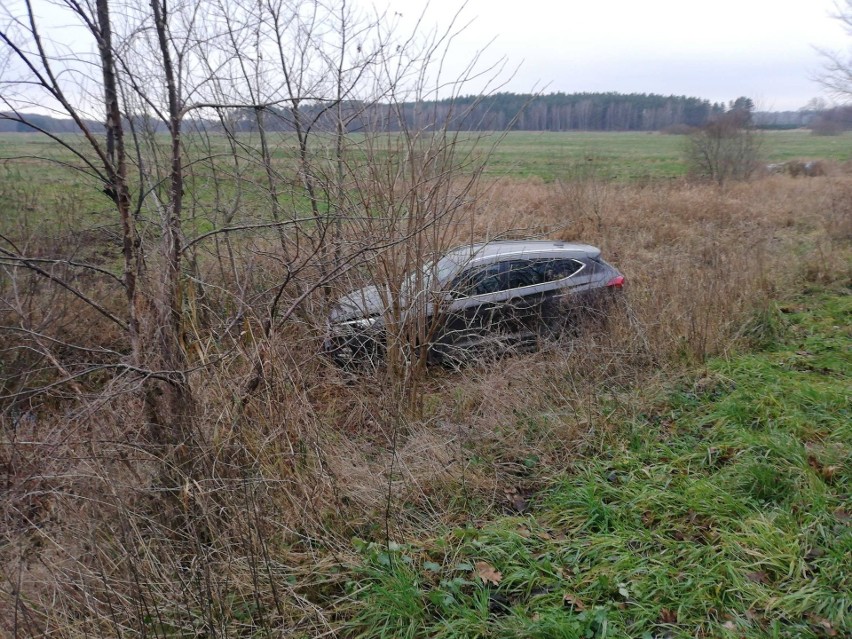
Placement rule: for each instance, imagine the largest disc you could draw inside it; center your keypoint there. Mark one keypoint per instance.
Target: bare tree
(154, 351)
(726, 148)
(837, 73)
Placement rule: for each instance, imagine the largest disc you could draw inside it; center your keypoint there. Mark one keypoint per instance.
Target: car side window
(511, 274)
(477, 280)
(557, 269)
(520, 273)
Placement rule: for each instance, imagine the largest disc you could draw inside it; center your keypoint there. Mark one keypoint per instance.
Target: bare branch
(247, 227)
(42, 260)
(23, 261)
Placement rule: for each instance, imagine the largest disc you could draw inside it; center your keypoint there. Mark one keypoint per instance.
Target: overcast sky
(719, 50)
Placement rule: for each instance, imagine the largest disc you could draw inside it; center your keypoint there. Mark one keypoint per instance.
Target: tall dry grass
(91, 546)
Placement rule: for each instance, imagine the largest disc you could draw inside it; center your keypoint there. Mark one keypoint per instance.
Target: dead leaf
(668, 616)
(566, 573)
(729, 625)
(828, 473)
(488, 573)
(516, 500)
(824, 623)
(758, 577)
(573, 602)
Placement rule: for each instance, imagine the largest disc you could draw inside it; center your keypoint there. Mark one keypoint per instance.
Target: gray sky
(718, 50)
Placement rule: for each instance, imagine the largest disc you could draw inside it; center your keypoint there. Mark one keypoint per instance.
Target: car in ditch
(478, 299)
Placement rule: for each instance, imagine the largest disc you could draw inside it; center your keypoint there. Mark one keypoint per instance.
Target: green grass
(632, 156)
(42, 191)
(723, 511)
(552, 156)
(546, 155)
(40, 194)
(780, 146)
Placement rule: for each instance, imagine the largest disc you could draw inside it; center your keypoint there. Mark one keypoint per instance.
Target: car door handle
(484, 307)
(523, 303)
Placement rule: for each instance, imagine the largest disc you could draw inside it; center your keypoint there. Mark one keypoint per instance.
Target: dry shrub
(33, 307)
(91, 544)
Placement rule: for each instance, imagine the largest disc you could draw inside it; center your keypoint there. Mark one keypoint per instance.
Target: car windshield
(432, 276)
(418, 280)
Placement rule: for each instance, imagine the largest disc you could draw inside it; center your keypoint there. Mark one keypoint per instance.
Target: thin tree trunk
(172, 404)
(117, 171)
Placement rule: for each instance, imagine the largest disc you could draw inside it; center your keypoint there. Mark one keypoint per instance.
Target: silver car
(477, 299)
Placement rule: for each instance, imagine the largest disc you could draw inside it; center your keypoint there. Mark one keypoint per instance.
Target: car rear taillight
(616, 282)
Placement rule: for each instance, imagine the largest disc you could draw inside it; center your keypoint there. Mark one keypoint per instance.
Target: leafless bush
(811, 168)
(184, 398)
(724, 149)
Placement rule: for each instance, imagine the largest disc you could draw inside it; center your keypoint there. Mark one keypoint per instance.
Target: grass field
(631, 156)
(37, 186)
(521, 154)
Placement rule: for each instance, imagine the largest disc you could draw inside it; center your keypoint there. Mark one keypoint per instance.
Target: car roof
(539, 248)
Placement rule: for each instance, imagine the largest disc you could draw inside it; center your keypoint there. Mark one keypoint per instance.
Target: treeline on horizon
(497, 112)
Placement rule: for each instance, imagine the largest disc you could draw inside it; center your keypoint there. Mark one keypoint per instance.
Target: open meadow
(546, 155)
(685, 473)
(638, 156)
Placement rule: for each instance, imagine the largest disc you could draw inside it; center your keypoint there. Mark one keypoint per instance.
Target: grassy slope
(722, 512)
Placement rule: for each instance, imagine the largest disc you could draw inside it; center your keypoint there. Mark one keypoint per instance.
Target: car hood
(364, 302)
(372, 301)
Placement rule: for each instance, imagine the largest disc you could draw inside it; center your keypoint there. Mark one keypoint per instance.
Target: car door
(520, 312)
(566, 280)
(491, 304)
(470, 306)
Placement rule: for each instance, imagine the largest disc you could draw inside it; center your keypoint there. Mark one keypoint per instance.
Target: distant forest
(498, 112)
(579, 111)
